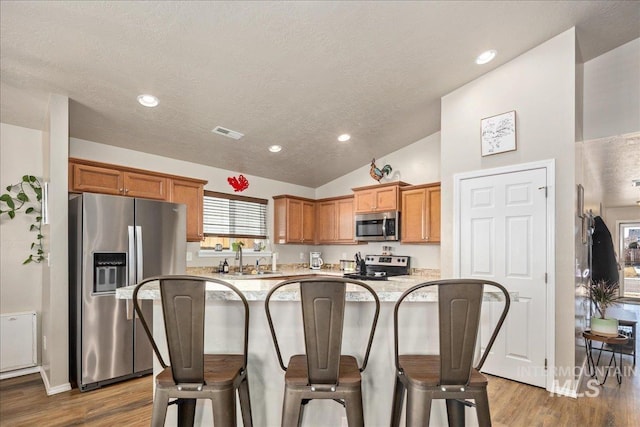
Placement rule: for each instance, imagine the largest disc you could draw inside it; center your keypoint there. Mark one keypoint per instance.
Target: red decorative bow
(239, 184)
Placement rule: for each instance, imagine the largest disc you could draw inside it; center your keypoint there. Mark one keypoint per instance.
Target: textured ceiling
(610, 167)
(296, 74)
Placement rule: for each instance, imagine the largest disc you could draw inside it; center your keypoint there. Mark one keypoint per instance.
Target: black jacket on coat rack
(604, 265)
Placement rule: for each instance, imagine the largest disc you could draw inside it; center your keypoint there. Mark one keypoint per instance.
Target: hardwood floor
(23, 402)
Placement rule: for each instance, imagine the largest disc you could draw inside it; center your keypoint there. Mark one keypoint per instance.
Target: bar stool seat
(424, 370)
(220, 369)
(297, 372)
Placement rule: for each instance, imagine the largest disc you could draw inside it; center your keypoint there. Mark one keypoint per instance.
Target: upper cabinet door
(146, 186)
(378, 198)
(294, 220)
(191, 193)
(326, 221)
(95, 179)
(420, 220)
(345, 221)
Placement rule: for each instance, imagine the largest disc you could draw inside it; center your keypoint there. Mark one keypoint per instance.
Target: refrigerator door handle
(130, 313)
(139, 253)
(132, 272)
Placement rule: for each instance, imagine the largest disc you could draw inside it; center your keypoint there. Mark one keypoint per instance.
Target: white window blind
(229, 215)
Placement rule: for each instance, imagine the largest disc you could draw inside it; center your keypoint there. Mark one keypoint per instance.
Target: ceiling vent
(227, 132)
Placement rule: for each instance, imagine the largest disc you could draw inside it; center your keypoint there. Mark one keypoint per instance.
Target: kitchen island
(418, 325)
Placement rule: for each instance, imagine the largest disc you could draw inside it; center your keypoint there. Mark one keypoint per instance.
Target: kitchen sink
(249, 275)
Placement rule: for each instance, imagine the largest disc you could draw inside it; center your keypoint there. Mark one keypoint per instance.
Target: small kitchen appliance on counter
(379, 267)
(315, 262)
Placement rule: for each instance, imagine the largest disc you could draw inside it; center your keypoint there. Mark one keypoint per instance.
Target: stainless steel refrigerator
(115, 242)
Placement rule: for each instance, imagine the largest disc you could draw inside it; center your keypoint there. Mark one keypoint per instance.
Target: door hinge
(546, 277)
(545, 364)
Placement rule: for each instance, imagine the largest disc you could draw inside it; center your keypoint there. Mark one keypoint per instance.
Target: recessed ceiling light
(344, 137)
(275, 148)
(148, 100)
(485, 57)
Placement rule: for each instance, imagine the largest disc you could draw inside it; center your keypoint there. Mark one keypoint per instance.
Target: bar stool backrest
(323, 319)
(323, 305)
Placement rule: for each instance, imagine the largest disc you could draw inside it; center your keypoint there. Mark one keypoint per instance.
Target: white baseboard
(19, 372)
(53, 390)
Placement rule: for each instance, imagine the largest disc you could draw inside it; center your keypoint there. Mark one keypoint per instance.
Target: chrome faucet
(239, 257)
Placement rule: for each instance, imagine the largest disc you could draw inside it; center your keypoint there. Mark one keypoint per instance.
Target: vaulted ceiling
(296, 74)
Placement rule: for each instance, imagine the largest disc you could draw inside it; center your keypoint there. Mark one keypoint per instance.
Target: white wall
(20, 285)
(612, 92)
(540, 86)
(55, 273)
(418, 163)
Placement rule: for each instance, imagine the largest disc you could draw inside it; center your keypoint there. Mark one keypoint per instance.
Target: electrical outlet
(44, 342)
(344, 255)
(189, 256)
(301, 256)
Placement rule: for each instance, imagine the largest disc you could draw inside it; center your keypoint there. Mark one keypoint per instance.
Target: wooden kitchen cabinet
(335, 220)
(191, 193)
(420, 221)
(378, 198)
(294, 219)
(145, 186)
(93, 177)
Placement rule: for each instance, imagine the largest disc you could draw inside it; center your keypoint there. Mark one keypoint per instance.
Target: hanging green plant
(26, 194)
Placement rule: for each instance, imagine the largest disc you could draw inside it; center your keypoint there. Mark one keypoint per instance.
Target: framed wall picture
(498, 133)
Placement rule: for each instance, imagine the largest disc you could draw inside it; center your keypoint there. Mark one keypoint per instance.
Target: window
(230, 218)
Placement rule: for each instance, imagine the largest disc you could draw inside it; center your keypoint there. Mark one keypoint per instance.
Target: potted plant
(603, 294)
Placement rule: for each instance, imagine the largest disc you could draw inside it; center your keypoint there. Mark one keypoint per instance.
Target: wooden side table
(614, 343)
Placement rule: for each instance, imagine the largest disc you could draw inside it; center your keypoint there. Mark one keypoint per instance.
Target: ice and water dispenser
(109, 271)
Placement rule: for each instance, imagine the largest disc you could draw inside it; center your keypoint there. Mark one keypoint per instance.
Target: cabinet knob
(122, 190)
(126, 190)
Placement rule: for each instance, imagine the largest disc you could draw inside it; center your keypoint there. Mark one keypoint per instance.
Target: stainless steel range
(379, 267)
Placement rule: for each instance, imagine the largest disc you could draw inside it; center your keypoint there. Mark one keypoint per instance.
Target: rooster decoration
(376, 173)
(239, 184)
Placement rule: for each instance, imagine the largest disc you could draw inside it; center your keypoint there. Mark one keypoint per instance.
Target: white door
(503, 238)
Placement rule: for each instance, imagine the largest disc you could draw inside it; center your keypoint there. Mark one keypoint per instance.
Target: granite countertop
(255, 287)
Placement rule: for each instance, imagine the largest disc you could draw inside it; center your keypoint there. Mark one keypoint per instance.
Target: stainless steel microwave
(379, 226)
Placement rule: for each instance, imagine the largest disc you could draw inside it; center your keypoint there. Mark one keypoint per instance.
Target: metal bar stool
(450, 374)
(323, 372)
(192, 374)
